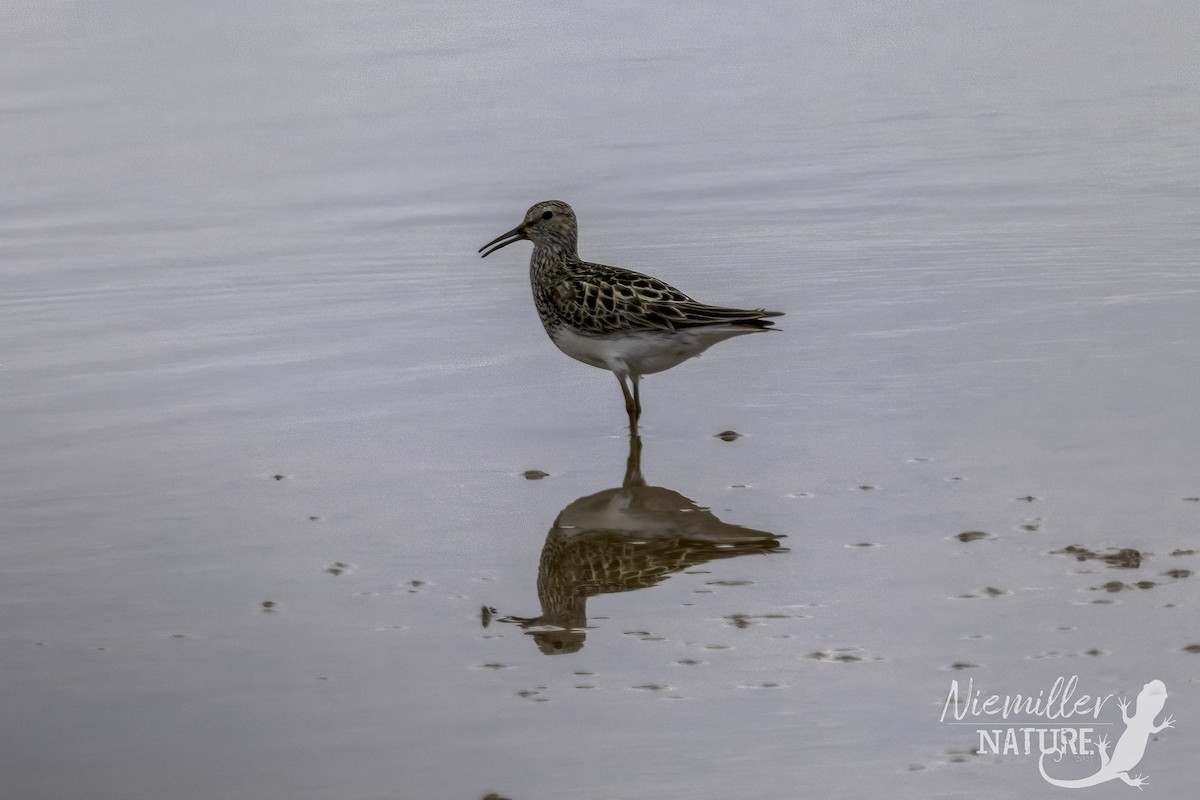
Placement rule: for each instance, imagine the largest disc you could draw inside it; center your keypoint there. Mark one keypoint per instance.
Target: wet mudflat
(298, 500)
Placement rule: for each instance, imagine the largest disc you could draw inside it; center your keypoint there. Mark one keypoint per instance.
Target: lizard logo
(1130, 747)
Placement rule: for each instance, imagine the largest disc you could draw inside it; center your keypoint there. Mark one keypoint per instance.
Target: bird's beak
(515, 235)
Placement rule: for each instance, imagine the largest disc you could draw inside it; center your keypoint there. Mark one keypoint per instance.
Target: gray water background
(238, 242)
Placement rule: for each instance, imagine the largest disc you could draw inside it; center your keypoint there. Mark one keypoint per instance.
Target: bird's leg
(630, 401)
(625, 392)
(637, 400)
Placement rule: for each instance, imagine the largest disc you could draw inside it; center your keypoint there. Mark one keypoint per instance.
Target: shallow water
(271, 427)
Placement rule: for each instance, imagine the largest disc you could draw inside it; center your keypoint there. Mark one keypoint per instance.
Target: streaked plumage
(613, 318)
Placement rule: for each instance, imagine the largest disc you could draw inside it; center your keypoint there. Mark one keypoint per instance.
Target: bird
(613, 318)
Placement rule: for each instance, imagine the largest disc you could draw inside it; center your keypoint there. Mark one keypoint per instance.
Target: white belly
(642, 352)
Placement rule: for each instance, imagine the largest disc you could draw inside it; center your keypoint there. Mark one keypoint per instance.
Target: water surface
(249, 356)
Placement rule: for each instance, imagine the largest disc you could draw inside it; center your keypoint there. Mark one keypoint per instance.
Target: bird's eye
(547, 214)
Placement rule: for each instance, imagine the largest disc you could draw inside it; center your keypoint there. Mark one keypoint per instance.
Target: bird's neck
(550, 256)
(563, 244)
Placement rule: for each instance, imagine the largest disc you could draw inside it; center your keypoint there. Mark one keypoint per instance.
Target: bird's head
(550, 222)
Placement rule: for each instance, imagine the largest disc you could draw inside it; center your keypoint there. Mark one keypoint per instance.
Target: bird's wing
(600, 300)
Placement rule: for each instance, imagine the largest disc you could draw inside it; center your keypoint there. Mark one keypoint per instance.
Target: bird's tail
(755, 319)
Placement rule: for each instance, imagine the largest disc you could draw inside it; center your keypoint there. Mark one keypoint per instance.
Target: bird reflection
(621, 539)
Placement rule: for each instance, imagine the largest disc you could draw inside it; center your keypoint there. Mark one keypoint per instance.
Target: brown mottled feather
(598, 299)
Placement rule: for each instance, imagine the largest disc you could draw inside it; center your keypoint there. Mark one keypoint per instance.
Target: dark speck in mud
(1145, 584)
(1125, 558)
(314, 519)
(278, 477)
(1113, 586)
(493, 796)
(1027, 498)
(1183, 552)
(1093, 652)
(1178, 573)
(338, 568)
(971, 536)
(866, 488)
(727, 436)
(534, 474)
(1192, 648)
(740, 620)
(485, 615)
(1192, 499)
(846, 655)
(960, 665)
(269, 605)
(989, 591)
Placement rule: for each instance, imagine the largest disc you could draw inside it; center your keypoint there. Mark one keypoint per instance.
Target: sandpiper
(613, 318)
